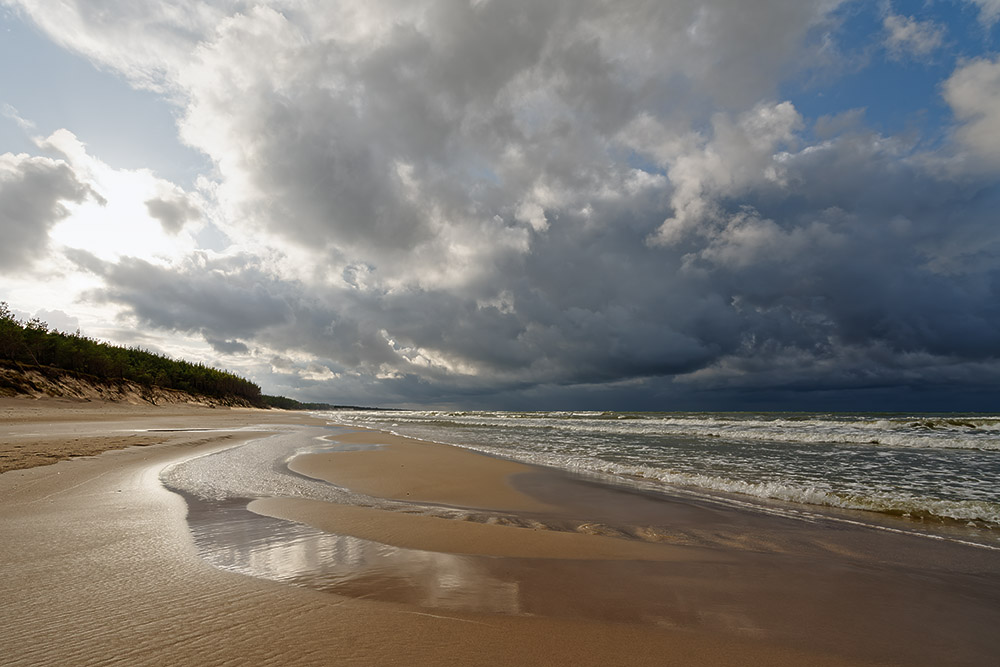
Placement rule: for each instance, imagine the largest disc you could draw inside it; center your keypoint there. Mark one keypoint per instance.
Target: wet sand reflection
(232, 538)
(820, 602)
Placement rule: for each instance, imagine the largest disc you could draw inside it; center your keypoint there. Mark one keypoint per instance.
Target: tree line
(33, 343)
(284, 403)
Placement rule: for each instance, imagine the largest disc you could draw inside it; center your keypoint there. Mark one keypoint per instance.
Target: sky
(517, 204)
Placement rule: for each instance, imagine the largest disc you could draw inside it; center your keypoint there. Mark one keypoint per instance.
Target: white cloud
(9, 111)
(908, 37)
(747, 240)
(738, 156)
(989, 10)
(973, 92)
(116, 221)
(142, 40)
(58, 320)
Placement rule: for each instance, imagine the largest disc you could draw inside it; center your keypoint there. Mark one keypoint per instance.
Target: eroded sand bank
(100, 568)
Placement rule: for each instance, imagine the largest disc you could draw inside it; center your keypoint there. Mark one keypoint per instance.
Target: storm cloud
(452, 201)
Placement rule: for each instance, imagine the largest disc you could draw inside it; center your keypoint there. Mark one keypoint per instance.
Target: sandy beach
(512, 565)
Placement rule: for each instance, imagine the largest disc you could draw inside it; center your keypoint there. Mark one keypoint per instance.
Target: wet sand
(100, 567)
(578, 548)
(39, 432)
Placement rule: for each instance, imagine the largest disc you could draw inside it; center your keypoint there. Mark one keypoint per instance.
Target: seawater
(941, 469)
(933, 469)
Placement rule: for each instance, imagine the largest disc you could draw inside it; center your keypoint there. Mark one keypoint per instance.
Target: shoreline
(98, 554)
(788, 578)
(920, 473)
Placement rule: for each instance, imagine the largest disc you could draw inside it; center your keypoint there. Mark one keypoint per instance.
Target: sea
(935, 471)
(918, 475)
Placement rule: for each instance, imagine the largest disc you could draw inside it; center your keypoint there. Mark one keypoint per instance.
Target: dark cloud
(172, 212)
(790, 291)
(534, 203)
(33, 191)
(222, 299)
(227, 346)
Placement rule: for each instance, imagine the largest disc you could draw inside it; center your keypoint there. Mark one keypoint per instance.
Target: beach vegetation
(285, 403)
(33, 343)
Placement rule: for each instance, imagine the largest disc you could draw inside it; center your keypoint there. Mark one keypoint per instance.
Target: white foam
(980, 432)
(906, 466)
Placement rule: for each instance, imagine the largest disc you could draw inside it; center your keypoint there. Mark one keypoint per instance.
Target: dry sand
(99, 567)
